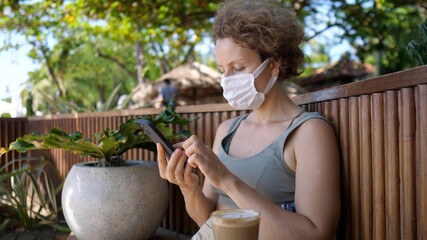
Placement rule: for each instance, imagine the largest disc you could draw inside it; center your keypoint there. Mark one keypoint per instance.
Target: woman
(276, 157)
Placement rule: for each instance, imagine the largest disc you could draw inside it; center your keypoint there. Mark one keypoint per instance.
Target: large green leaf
(110, 144)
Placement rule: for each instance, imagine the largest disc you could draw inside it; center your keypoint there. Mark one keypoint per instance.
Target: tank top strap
(226, 141)
(236, 123)
(303, 117)
(295, 117)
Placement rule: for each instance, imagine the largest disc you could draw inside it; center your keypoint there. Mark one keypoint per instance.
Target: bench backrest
(382, 128)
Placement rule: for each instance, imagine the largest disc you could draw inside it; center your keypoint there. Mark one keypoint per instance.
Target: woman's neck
(277, 106)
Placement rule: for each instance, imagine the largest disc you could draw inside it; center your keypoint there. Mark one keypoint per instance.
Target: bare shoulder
(315, 129)
(315, 137)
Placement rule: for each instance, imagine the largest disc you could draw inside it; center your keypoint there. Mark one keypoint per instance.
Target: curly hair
(268, 28)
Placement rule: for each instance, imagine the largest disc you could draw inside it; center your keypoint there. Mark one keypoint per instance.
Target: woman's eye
(234, 69)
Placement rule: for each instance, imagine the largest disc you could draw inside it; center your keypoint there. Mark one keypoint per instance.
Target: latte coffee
(235, 224)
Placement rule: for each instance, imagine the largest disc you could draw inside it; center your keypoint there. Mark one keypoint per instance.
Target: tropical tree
(40, 23)
(93, 51)
(380, 30)
(418, 49)
(79, 41)
(164, 33)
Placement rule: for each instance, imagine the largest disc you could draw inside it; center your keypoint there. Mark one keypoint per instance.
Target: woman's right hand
(176, 170)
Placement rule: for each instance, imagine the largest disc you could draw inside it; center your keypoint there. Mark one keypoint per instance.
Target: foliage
(318, 59)
(87, 47)
(5, 115)
(110, 144)
(89, 80)
(166, 30)
(418, 50)
(94, 45)
(28, 198)
(41, 24)
(379, 30)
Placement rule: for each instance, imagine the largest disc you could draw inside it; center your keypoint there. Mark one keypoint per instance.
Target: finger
(192, 160)
(171, 166)
(178, 145)
(188, 169)
(179, 179)
(190, 149)
(189, 141)
(161, 160)
(193, 164)
(179, 170)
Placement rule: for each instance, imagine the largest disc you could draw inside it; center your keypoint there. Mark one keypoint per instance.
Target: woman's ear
(274, 67)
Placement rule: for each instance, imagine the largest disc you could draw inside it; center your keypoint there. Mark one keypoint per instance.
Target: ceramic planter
(114, 203)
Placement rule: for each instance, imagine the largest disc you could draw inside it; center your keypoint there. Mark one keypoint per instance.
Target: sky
(14, 68)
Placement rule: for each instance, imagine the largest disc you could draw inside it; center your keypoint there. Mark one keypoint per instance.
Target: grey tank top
(266, 171)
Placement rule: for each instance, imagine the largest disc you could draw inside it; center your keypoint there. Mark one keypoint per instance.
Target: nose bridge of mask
(260, 68)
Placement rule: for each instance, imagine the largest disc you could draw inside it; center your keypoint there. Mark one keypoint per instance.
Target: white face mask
(240, 91)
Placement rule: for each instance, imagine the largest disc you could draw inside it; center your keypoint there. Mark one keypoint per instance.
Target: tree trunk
(139, 62)
(49, 66)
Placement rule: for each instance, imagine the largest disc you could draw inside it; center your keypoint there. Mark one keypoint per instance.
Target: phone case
(156, 136)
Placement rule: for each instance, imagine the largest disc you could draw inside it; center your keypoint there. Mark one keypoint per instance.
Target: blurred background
(103, 55)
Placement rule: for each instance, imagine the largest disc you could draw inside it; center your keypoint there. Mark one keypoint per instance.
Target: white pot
(116, 202)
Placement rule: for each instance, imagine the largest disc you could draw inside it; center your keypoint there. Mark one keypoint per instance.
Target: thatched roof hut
(196, 84)
(342, 72)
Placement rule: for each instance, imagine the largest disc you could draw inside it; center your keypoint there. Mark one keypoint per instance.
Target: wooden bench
(382, 129)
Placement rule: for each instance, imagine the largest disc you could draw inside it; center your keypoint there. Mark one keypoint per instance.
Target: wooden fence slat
(392, 166)
(378, 171)
(354, 168)
(334, 116)
(407, 163)
(201, 126)
(421, 161)
(346, 224)
(365, 167)
(209, 130)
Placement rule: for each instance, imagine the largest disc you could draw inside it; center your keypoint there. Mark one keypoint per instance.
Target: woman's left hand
(202, 156)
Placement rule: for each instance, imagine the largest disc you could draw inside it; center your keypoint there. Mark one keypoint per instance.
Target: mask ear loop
(260, 68)
(270, 84)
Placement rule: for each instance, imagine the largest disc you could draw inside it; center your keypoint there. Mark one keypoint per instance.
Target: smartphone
(156, 136)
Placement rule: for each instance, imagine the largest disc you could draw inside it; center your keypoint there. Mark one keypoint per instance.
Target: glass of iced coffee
(235, 224)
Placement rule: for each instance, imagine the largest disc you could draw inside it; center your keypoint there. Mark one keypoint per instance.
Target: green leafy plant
(110, 144)
(28, 198)
(418, 50)
(6, 115)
